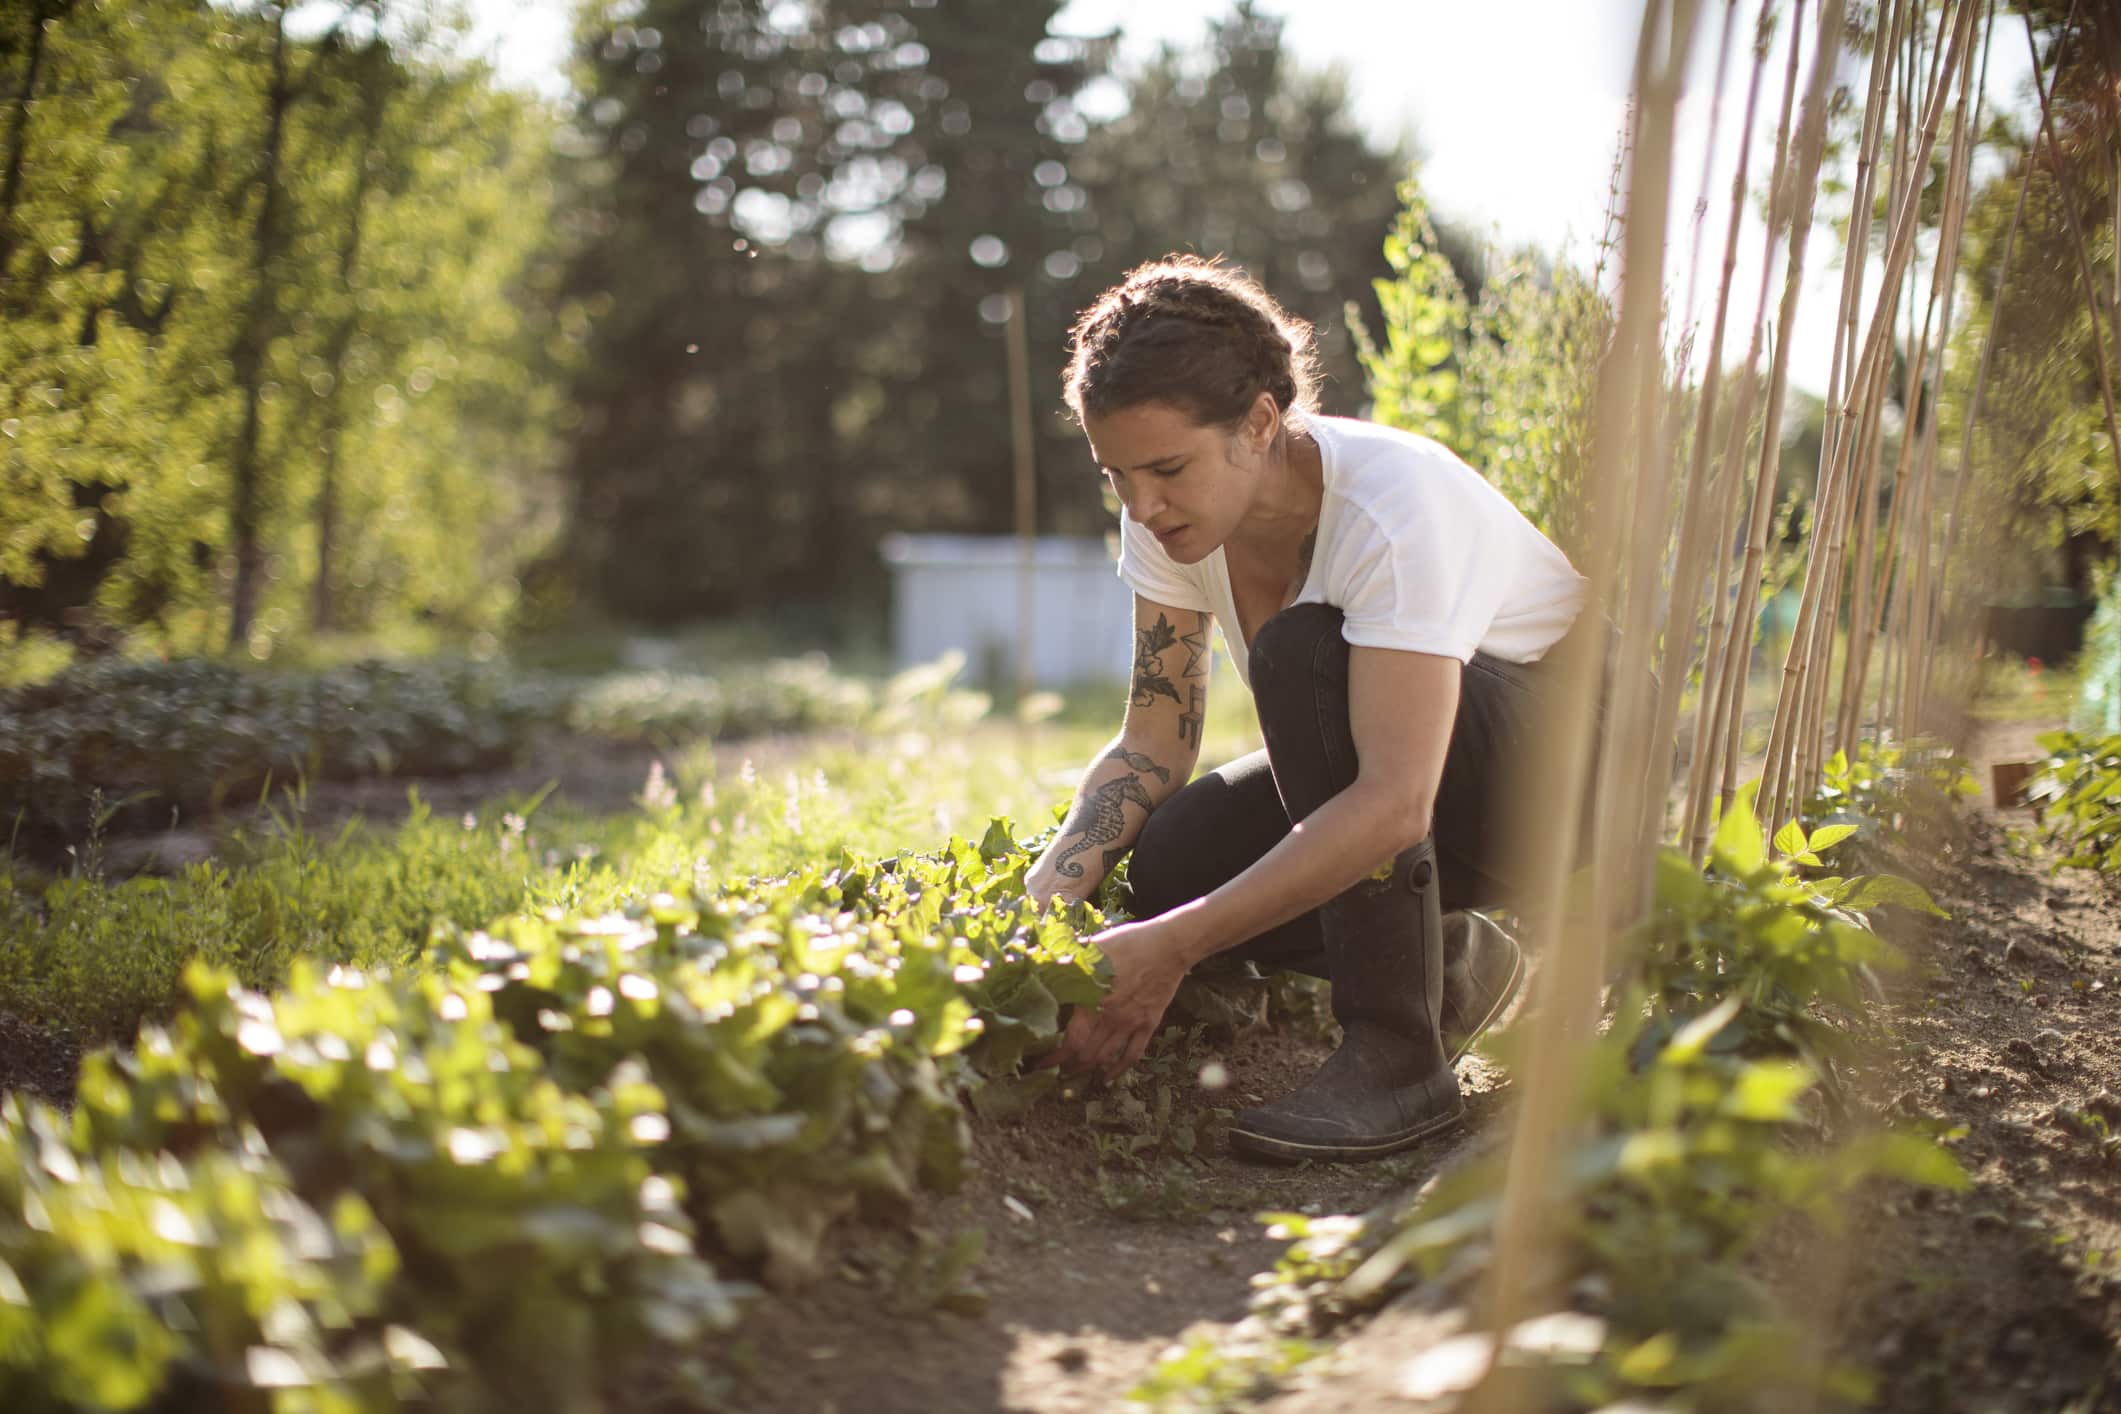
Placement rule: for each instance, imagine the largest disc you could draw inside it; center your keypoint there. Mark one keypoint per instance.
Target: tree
(238, 261)
(1233, 150)
(2041, 438)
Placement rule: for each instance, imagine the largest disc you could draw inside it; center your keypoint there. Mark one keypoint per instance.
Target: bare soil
(1093, 1267)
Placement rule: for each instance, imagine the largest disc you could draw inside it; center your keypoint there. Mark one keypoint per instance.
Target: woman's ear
(1263, 422)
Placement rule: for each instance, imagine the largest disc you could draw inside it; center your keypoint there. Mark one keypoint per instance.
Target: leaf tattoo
(1150, 682)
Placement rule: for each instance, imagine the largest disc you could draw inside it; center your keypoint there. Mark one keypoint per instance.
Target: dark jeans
(1219, 825)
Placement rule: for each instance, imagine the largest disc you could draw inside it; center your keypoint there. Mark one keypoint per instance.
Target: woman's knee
(1205, 835)
(1285, 648)
(1162, 874)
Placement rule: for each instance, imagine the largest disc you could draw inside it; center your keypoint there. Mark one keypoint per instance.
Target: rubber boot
(1390, 1084)
(1483, 968)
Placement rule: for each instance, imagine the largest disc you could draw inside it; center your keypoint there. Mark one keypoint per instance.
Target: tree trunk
(18, 132)
(253, 338)
(324, 614)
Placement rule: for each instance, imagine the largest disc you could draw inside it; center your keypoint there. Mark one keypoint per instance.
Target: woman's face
(1188, 484)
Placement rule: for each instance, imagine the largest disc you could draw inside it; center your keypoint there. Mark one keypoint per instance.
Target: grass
(93, 955)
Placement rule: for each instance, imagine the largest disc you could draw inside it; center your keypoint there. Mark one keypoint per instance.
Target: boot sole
(1295, 1151)
(1503, 999)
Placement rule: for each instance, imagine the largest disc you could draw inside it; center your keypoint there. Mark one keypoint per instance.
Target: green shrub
(536, 1122)
(141, 740)
(97, 956)
(1702, 1141)
(534, 1238)
(135, 744)
(207, 1284)
(2080, 786)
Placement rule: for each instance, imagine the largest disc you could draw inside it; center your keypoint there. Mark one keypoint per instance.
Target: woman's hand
(1044, 885)
(1148, 963)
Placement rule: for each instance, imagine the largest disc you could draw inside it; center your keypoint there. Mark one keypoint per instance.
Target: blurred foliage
(2079, 790)
(1504, 379)
(794, 228)
(274, 331)
(2041, 448)
(110, 744)
(147, 742)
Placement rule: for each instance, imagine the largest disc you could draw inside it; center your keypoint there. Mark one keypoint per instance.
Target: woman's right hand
(1043, 885)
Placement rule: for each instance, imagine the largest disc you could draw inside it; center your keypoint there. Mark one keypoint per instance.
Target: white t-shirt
(1417, 550)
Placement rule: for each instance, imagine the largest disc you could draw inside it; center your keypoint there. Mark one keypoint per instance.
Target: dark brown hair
(1197, 334)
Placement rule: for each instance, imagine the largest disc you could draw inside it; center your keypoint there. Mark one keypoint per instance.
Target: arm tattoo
(1140, 763)
(1196, 650)
(1191, 721)
(1150, 681)
(1100, 820)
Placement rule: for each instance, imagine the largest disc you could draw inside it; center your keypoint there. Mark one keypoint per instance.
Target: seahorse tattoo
(1140, 763)
(1102, 820)
(1150, 681)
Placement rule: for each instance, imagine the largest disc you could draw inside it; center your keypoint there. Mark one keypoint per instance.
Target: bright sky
(1516, 111)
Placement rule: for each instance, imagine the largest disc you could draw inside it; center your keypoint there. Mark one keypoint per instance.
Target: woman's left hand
(1147, 966)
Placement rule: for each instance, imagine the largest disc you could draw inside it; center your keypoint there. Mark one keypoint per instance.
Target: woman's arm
(1147, 763)
(1400, 709)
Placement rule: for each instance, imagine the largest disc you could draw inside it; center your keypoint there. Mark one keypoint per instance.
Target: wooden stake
(1693, 555)
(1738, 649)
(1026, 491)
(1568, 992)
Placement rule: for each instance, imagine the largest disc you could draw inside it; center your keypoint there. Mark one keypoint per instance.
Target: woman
(1388, 607)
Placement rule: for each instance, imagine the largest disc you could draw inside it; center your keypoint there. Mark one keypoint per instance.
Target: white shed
(960, 592)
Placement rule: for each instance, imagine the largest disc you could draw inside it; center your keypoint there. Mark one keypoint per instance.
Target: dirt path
(1093, 1266)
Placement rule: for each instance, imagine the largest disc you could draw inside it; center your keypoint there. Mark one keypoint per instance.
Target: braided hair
(1197, 334)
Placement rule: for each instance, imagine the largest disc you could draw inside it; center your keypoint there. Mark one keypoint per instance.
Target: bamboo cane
(1812, 139)
(1777, 780)
(1779, 768)
(1838, 447)
(1707, 712)
(1568, 1000)
(1709, 708)
(1681, 619)
(1738, 649)
(1870, 596)
(1988, 347)
(1951, 223)
(1855, 478)
(1859, 250)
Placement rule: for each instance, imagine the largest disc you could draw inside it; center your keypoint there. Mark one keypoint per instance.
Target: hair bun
(1198, 334)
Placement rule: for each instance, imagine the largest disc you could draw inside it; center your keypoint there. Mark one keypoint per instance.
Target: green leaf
(1740, 846)
(1890, 890)
(1694, 1037)
(1767, 1091)
(1790, 839)
(1827, 836)
(999, 842)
